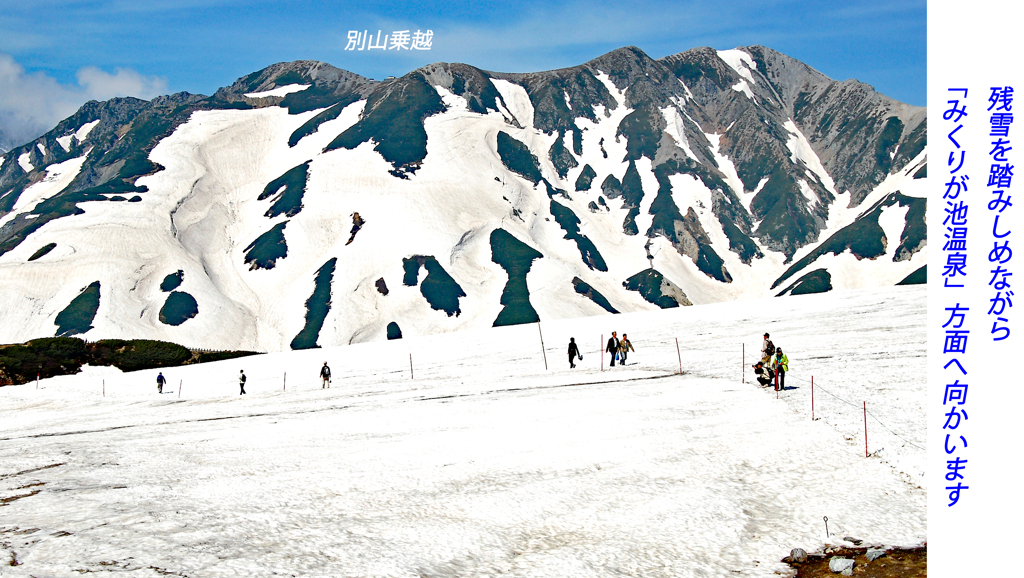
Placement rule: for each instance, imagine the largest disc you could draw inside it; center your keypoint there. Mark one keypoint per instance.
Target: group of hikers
(772, 367)
(616, 348)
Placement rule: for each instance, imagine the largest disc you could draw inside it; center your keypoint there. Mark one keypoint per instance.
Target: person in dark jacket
(574, 352)
(764, 374)
(612, 348)
(241, 381)
(160, 381)
(325, 375)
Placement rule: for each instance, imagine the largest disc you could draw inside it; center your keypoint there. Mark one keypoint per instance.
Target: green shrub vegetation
(590, 293)
(393, 118)
(264, 252)
(570, 224)
(516, 258)
(53, 356)
(42, 251)
(587, 176)
(648, 284)
(438, 287)
(178, 308)
(918, 277)
(394, 332)
(289, 201)
(172, 281)
(77, 317)
(317, 307)
(516, 157)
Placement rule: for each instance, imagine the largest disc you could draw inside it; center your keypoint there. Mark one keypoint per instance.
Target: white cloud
(33, 103)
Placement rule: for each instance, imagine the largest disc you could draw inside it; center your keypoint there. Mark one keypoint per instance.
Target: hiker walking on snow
(241, 381)
(613, 348)
(767, 350)
(781, 365)
(624, 346)
(325, 375)
(160, 381)
(574, 351)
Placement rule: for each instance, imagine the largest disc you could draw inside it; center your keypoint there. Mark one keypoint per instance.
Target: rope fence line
(817, 386)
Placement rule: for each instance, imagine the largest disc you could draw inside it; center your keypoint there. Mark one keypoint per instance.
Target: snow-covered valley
(460, 454)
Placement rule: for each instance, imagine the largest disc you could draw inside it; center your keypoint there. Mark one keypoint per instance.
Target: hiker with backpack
(241, 381)
(325, 376)
(160, 381)
(767, 350)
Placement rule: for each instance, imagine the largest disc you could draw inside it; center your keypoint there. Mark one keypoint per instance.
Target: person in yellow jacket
(781, 365)
(624, 347)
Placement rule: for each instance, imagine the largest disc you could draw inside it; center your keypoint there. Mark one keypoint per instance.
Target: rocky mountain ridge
(742, 163)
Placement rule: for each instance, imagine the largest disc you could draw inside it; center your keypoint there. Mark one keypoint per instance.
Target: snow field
(485, 463)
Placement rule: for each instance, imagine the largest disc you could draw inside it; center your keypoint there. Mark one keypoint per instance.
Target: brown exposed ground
(897, 563)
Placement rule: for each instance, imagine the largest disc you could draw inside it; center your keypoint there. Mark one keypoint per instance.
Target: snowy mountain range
(308, 206)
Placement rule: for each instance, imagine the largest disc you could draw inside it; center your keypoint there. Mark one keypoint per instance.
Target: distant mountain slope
(700, 177)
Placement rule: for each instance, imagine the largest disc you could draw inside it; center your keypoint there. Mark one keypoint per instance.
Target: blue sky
(57, 54)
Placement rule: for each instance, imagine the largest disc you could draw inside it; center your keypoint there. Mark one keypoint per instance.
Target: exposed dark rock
(317, 307)
(266, 249)
(78, 316)
(593, 294)
(172, 281)
(516, 258)
(178, 308)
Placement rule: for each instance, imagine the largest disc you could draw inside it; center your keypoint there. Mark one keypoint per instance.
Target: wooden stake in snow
(411, 374)
(600, 347)
(284, 382)
(680, 356)
(179, 388)
(866, 454)
(826, 526)
(104, 388)
(812, 398)
(544, 353)
(37, 381)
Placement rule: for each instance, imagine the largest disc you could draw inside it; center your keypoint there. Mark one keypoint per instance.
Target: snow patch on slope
(742, 86)
(802, 154)
(739, 61)
(849, 272)
(58, 176)
(842, 214)
(26, 164)
(517, 101)
(728, 169)
(84, 130)
(676, 129)
(65, 141)
(279, 91)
